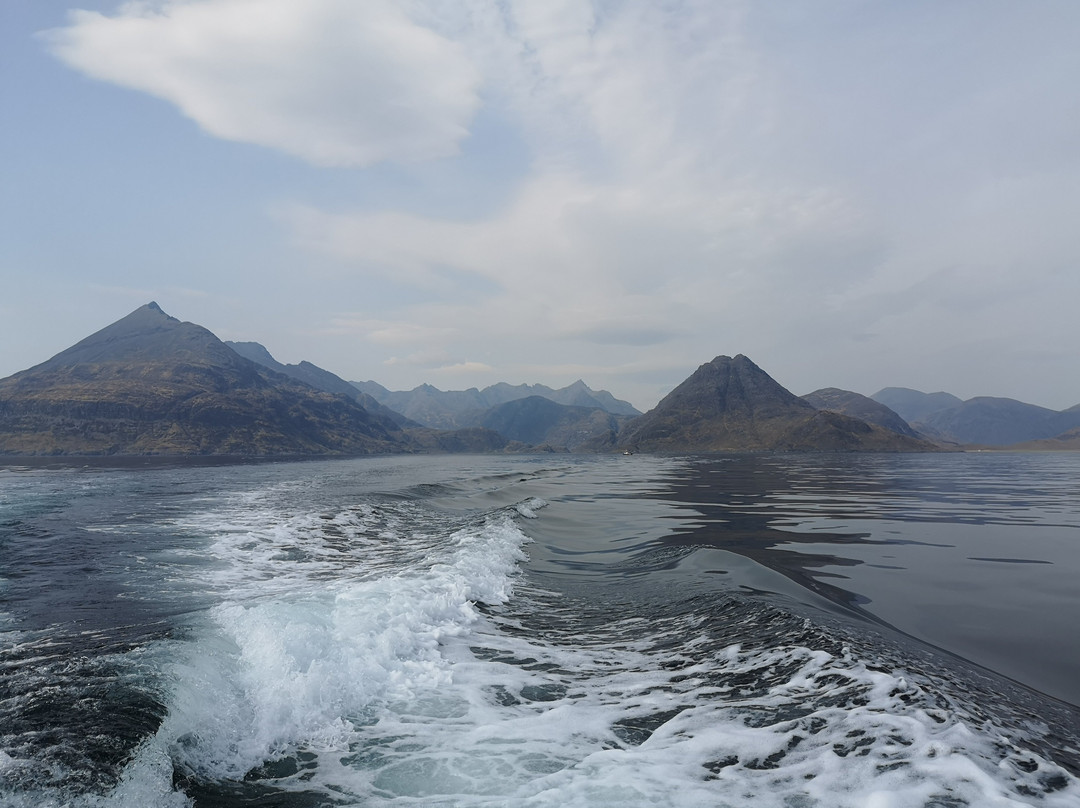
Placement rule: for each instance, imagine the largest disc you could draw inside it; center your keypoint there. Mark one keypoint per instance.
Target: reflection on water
(975, 553)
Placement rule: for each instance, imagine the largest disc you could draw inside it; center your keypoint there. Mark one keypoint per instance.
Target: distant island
(150, 384)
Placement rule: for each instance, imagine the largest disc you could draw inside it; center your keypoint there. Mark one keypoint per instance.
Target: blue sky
(852, 193)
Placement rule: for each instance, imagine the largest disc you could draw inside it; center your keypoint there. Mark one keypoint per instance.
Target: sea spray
(299, 670)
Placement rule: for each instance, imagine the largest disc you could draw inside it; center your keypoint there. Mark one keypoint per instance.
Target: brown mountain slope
(150, 384)
(733, 405)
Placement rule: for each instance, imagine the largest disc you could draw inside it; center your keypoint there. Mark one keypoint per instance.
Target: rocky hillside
(733, 405)
(151, 384)
(320, 379)
(859, 406)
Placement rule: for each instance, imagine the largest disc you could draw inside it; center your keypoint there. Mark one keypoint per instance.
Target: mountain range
(151, 384)
(320, 379)
(441, 409)
(980, 421)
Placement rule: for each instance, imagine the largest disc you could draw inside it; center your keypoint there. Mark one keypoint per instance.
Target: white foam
(569, 746)
(298, 669)
(147, 781)
(459, 712)
(529, 508)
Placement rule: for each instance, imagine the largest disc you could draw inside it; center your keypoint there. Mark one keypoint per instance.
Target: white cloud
(439, 362)
(464, 369)
(334, 82)
(397, 334)
(599, 263)
(638, 229)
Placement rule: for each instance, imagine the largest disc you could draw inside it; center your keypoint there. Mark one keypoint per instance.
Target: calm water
(767, 630)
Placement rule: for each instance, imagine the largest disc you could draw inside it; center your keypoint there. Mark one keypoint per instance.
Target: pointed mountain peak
(739, 360)
(732, 404)
(734, 385)
(149, 313)
(147, 333)
(151, 384)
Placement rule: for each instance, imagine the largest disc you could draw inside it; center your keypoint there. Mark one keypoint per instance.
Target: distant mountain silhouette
(429, 405)
(859, 406)
(991, 421)
(980, 421)
(542, 422)
(150, 384)
(577, 394)
(732, 404)
(318, 378)
(915, 406)
(451, 409)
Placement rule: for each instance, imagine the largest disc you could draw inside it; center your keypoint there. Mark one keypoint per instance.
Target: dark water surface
(976, 553)
(768, 630)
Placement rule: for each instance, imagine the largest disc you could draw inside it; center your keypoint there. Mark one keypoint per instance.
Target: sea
(766, 630)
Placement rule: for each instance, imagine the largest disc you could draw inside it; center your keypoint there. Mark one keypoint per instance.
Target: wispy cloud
(334, 82)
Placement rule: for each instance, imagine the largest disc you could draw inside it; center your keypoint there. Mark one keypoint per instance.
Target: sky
(852, 193)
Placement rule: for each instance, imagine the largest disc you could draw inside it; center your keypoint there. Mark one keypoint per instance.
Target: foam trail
(301, 669)
(623, 723)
